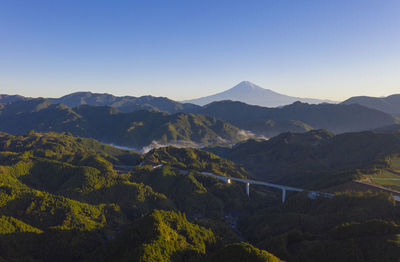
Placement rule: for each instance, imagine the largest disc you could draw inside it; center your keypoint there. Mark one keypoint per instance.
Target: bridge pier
(283, 195)
(248, 189)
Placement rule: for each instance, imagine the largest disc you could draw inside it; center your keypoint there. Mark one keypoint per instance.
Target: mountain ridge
(136, 129)
(337, 118)
(245, 91)
(122, 103)
(389, 104)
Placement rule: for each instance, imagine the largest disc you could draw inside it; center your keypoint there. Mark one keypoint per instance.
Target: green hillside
(239, 252)
(349, 227)
(61, 198)
(193, 159)
(160, 236)
(65, 198)
(169, 236)
(388, 177)
(316, 159)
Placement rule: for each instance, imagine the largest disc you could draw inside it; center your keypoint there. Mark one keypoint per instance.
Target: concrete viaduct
(248, 182)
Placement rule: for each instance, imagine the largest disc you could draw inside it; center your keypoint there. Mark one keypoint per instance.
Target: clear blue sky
(185, 49)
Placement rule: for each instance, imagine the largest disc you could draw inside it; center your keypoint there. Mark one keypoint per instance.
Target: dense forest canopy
(69, 198)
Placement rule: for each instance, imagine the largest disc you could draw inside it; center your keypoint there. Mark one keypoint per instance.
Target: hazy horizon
(182, 100)
(185, 50)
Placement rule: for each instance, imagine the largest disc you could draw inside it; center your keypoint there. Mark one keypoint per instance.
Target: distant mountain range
(245, 92)
(107, 124)
(122, 103)
(252, 94)
(217, 123)
(389, 104)
(354, 114)
(10, 98)
(298, 117)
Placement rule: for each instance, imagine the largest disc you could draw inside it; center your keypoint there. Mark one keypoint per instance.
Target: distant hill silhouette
(124, 103)
(298, 117)
(389, 104)
(10, 98)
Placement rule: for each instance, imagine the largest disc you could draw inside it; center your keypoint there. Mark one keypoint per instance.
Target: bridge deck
(254, 182)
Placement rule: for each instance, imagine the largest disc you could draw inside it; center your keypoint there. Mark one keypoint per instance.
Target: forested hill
(190, 158)
(62, 199)
(316, 159)
(136, 129)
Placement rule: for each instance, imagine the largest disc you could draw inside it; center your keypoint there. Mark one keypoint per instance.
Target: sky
(187, 49)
